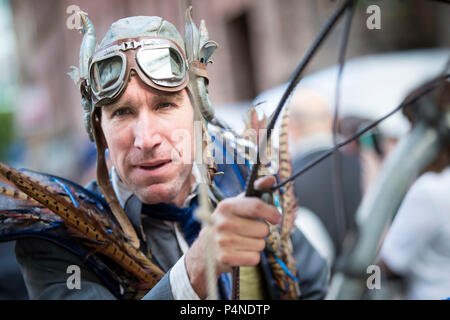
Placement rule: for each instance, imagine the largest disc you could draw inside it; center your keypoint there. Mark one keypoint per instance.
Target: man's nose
(146, 132)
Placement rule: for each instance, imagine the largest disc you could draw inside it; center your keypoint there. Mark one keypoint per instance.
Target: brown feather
(91, 225)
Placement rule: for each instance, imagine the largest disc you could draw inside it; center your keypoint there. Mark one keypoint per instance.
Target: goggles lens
(158, 62)
(105, 75)
(163, 65)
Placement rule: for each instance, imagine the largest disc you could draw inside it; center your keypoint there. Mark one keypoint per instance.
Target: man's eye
(121, 112)
(165, 105)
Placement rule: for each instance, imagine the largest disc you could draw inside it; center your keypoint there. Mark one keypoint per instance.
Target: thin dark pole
(250, 191)
(413, 98)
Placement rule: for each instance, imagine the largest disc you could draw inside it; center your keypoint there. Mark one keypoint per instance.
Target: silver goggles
(159, 62)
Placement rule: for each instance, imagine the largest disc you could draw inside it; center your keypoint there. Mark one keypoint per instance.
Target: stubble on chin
(173, 191)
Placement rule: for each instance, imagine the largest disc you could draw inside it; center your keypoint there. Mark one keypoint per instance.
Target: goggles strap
(199, 69)
(106, 187)
(210, 163)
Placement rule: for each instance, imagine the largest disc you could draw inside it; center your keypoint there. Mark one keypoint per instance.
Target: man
(310, 133)
(416, 246)
(137, 95)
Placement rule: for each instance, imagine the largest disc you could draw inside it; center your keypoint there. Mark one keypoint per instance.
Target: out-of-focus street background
(260, 44)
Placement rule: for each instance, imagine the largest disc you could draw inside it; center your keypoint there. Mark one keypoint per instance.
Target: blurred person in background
(416, 250)
(371, 148)
(311, 136)
(417, 245)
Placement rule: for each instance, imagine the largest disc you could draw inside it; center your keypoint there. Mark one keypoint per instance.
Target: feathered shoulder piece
(32, 202)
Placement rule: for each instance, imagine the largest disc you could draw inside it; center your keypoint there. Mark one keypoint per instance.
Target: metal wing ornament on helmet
(80, 75)
(199, 50)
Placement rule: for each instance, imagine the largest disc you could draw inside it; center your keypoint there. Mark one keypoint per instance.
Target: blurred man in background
(310, 134)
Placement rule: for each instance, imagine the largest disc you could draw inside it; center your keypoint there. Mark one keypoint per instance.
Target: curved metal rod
(379, 206)
(250, 191)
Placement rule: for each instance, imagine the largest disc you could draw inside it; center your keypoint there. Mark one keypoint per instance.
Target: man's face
(142, 130)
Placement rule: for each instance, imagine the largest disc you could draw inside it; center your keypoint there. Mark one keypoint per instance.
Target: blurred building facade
(260, 44)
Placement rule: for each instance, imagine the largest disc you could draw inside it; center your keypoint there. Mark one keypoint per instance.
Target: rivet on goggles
(159, 62)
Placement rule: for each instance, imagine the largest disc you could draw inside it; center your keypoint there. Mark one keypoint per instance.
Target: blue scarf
(184, 216)
(189, 226)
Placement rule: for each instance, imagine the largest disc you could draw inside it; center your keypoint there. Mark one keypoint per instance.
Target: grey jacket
(45, 264)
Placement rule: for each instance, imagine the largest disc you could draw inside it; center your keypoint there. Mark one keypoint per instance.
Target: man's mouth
(153, 165)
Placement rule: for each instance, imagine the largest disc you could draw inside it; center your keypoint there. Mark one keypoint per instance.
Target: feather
(86, 218)
(253, 124)
(287, 197)
(14, 193)
(288, 204)
(278, 243)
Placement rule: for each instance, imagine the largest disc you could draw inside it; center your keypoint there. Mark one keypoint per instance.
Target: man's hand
(238, 236)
